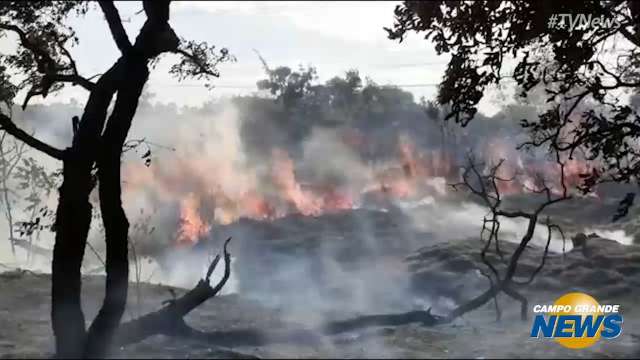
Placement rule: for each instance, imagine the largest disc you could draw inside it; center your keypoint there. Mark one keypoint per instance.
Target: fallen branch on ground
(424, 317)
(170, 319)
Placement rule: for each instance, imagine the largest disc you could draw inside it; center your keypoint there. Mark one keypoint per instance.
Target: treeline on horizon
(289, 104)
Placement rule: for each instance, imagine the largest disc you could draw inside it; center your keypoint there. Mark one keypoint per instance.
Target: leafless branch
(495, 295)
(485, 186)
(97, 255)
(550, 227)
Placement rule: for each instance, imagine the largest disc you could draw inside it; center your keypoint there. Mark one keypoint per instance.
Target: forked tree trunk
(73, 218)
(115, 221)
(90, 145)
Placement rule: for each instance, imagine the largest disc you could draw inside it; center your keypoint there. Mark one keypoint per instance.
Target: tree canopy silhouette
(299, 103)
(583, 72)
(43, 64)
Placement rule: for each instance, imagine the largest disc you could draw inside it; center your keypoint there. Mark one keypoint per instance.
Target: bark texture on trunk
(114, 218)
(73, 218)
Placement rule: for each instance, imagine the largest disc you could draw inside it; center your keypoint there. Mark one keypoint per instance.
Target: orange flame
(192, 227)
(284, 177)
(221, 191)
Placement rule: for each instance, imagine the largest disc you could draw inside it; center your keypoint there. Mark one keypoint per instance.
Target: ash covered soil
(341, 274)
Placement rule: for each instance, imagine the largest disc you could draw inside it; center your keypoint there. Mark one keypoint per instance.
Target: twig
(93, 250)
(487, 189)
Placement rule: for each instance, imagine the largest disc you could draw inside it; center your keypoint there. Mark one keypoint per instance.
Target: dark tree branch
(115, 25)
(46, 62)
(550, 227)
(169, 320)
(524, 303)
(492, 198)
(212, 267)
(566, 63)
(74, 79)
(157, 11)
(51, 71)
(202, 67)
(633, 38)
(10, 127)
(156, 35)
(424, 317)
(43, 60)
(495, 297)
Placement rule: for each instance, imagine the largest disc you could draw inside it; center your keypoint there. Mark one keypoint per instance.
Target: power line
(379, 65)
(228, 86)
(435, 63)
(221, 86)
(388, 66)
(254, 87)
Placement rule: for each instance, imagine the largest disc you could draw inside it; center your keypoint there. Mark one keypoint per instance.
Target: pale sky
(332, 36)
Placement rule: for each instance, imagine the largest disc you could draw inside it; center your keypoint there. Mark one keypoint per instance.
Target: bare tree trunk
(73, 214)
(487, 189)
(115, 221)
(73, 220)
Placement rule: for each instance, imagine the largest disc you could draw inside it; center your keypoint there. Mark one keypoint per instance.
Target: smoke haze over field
(329, 196)
(234, 158)
(322, 216)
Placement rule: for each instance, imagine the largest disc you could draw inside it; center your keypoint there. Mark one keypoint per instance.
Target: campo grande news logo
(576, 321)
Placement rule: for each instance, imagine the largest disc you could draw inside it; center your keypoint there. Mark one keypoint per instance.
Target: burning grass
(213, 190)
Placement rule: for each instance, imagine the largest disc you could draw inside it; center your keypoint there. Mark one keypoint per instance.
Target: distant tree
(288, 86)
(344, 92)
(583, 72)
(42, 65)
(301, 103)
